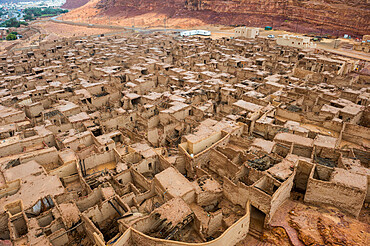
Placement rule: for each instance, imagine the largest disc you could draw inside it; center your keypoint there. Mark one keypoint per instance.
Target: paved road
(20, 16)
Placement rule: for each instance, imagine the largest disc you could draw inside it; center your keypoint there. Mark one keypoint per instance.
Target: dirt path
(348, 53)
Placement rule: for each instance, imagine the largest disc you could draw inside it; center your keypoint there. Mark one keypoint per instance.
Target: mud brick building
(160, 140)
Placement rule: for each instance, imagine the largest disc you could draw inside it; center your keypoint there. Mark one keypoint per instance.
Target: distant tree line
(32, 13)
(2, 11)
(12, 22)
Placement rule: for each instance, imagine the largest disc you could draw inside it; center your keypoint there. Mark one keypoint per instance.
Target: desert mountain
(324, 16)
(73, 4)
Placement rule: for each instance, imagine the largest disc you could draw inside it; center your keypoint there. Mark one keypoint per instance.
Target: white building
(295, 41)
(195, 32)
(3, 32)
(247, 32)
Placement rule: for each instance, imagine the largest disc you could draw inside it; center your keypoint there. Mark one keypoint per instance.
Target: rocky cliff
(73, 4)
(324, 16)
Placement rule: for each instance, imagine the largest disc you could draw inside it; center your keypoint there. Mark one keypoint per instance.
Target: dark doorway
(257, 222)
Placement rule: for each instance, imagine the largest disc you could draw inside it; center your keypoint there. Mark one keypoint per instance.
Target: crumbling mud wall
(231, 236)
(358, 133)
(281, 194)
(348, 199)
(236, 193)
(322, 190)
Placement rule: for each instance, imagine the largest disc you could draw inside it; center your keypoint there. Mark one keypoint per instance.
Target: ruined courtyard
(156, 139)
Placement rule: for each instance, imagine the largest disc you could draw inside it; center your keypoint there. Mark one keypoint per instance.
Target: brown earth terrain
(56, 30)
(328, 226)
(42, 31)
(300, 224)
(323, 17)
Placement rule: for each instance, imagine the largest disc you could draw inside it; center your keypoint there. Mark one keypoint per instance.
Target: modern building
(195, 32)
(295, 41)
(247, 32)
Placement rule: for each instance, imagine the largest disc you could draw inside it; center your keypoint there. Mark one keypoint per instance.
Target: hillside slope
(324, 16)
(73, 4)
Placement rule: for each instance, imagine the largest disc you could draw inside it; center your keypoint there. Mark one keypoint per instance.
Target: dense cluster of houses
(161, 140)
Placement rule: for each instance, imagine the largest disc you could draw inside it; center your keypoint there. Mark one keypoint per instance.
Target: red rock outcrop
(320, 16)
(73, 4)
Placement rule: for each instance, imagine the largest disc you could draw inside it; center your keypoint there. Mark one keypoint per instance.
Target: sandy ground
(152, 20)
(4, 45)
(65, 30)
(49, 31)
